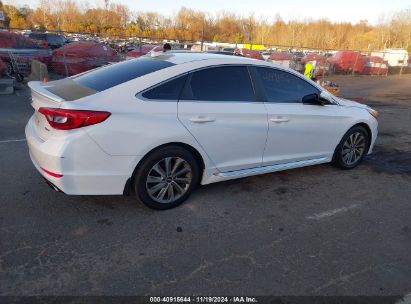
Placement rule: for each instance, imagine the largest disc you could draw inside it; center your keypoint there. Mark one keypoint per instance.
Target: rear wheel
(352, 148)
(166, 178)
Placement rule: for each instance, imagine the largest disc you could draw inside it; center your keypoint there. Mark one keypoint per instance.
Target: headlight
(372, 112)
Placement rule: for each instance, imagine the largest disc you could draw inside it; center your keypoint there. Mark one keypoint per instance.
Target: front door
(297, 131)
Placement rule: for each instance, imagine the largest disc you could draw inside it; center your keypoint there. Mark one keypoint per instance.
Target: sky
(334, 10)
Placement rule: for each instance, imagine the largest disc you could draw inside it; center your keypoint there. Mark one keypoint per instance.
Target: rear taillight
(45, 43)
(65, 119)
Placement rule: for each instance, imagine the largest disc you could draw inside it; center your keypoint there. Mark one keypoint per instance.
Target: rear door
(218, 108)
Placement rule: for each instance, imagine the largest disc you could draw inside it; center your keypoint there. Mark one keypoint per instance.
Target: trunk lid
(53, 95)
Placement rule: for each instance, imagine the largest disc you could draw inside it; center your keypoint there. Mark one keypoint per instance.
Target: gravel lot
(310, 231)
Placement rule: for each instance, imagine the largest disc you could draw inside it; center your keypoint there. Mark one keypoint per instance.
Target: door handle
(279, 119)
(202, 119)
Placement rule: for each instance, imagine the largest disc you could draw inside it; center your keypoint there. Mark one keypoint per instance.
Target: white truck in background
(394, 57)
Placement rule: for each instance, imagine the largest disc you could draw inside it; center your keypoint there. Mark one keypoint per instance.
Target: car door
(218, 108)
(297, 131)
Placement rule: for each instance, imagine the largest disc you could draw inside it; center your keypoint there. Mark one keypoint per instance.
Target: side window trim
(190, 74)
(263, 93)
(259, 92)
(140, 96)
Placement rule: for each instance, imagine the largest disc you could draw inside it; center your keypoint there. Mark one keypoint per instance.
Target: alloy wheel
(169, 179)
(353, 148)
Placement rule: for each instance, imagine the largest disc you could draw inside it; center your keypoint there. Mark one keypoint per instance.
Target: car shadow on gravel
(389, 160)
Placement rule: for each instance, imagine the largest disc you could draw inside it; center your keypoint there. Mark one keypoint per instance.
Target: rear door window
(112, 75)
(170, 90)
(223, 83)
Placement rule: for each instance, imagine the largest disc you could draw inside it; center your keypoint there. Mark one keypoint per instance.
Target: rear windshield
(112, 75)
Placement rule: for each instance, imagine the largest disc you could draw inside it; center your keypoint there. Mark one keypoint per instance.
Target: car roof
(196, 59)
(180, 57)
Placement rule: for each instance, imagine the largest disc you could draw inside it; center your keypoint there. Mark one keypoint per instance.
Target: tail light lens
(65, 119)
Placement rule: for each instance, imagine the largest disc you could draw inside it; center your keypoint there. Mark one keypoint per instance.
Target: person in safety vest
(308, 69)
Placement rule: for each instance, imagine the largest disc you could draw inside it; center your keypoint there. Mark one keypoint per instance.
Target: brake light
(65, 119)
(45, 43)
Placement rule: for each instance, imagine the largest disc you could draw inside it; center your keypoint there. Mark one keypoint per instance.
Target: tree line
(113, 19)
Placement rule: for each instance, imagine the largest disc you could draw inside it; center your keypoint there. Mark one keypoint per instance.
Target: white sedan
(160, 125)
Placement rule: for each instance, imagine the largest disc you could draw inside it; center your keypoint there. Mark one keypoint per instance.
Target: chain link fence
(25, 52)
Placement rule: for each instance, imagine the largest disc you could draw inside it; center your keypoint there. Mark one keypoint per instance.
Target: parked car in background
(158, 126)
(249, 53)
(51, 40)
(78, 57)
(17, 52)
(129, 46)
(347, 62)
(266, 54)
(224, 53)
(298, 54)
(284, 59)
(143, 50)
(375, 65)
(3, 68)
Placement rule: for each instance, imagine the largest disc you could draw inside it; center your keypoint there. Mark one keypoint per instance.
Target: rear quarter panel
(136, 126)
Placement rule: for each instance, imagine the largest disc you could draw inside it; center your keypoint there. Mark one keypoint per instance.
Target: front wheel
(352, 148)
(166, 177)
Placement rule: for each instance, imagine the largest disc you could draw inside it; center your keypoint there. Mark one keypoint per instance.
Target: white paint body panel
(307, 132)
(99, 159)
(236, 137)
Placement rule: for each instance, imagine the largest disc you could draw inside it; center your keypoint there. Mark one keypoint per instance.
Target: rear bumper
(86, 168)
(52, 186)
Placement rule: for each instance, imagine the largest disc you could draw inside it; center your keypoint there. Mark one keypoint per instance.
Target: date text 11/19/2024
(203, 299)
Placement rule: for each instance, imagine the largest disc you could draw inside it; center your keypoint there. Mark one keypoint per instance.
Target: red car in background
(81, 56)
(17, 52)
(143, 50)
(375, 65)
(3, 67)
(248, 53)
(347, 61)
(282, 58)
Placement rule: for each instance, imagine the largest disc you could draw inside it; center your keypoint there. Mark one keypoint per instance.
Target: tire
(352, 148)
(152, 180)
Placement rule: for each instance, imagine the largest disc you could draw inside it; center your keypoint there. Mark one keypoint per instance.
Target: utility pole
(202, 35)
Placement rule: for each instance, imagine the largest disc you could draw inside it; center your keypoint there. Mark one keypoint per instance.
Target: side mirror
(313, 99)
